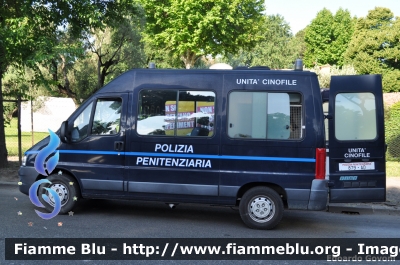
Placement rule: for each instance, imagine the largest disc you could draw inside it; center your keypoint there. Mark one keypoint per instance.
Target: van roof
(125, 81)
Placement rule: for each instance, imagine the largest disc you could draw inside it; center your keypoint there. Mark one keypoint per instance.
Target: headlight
(24, 161)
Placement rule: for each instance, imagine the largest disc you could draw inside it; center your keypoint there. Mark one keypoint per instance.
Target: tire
(261, 208)
(68, 193)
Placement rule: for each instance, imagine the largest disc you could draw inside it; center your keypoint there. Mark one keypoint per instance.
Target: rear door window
(355, 116)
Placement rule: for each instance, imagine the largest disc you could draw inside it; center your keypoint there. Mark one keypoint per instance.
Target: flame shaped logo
(41, 166)
(35, 200)
(40, 161)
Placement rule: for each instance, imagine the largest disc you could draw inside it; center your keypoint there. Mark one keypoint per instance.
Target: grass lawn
(392, 169)
(26, 139)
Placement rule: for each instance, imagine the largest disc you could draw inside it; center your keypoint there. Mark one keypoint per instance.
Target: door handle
(119, 146)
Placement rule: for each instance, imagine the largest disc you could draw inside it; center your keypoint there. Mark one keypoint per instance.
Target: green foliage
(111, 51)
(30, 32)
(193, 28)
(162, 57)
(278, 49)
(53, 49)
(324, 75)
(392, 132)
(300, 42)
(83, 77)
(29, 28)
(375, 47)
(17, 83)
(117, 48)
(318, 36)
(327, 38)
(391, 80)
(35, 32)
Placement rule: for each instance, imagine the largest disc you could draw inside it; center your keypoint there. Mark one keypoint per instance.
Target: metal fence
(18, 141)
(393, 151)
(32, 120)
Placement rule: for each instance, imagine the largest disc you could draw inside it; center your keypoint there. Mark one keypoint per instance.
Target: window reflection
(355, 116)
(176, 113)
(107, 116)
(81, 123)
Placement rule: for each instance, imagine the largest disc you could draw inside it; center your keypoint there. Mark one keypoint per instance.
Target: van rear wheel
(261, 208)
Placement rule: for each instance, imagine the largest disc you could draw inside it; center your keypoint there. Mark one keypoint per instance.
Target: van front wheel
(66, 188)
(261, 208)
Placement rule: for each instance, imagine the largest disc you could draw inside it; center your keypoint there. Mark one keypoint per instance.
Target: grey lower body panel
(96, 184)
(314, 199)
(297, 199)
(318, 195)
(228, 191)
(358, 195)
(173, 188)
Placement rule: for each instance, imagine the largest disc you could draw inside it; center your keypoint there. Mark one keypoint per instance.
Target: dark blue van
(252, 138)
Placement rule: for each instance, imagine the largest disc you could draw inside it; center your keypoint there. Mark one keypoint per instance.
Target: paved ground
(10, 175)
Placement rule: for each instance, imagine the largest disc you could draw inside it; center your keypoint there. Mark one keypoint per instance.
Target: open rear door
(356, 139)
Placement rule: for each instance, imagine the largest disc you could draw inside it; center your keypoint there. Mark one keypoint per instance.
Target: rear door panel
(356, 139)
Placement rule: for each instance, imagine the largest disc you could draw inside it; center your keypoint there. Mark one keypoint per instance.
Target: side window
(296, 116)
(176, 113)
(81, 124)
(278, 121)
(263, 115)
(107, 116)
(247, 115)
(355, 116)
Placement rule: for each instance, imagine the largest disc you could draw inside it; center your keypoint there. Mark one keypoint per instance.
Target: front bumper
(27, 176)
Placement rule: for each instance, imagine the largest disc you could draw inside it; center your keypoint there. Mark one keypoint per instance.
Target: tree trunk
(189, 58)
(3, 148)
(99, 63)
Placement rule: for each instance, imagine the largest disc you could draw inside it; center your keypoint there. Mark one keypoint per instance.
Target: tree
(3, 67)
(300, 42)
(162, 57)
(193, 28)
(318, 36)
(278, 49)
(375, 47)
(28, 32)
(327, 38)
(67, 51)
(116, 45)
(343, 28)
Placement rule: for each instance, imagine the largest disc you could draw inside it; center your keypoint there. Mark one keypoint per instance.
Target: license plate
(357, 166)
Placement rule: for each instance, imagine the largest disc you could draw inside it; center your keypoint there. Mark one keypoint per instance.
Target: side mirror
(64, 132)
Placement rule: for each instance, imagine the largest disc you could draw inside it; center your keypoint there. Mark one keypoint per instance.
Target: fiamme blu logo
(45, 162)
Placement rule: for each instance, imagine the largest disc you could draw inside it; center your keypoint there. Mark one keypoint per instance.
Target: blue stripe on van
(228, 157)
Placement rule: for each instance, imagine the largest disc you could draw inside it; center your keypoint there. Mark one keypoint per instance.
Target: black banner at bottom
(329, 249)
